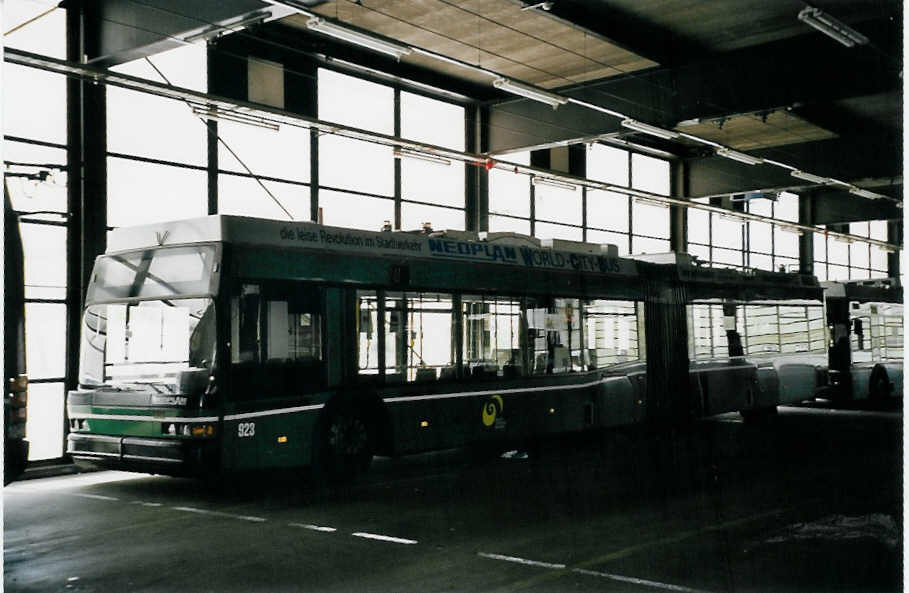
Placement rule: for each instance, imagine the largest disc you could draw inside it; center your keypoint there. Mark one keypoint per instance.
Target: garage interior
(751, 135)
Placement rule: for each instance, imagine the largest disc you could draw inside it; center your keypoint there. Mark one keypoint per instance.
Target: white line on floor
(70, 481)
(219, 514)
(385, 538)
(636, 581)
(313, 527)
(48, 543)
(146, 504)
(94, 496)
(517, 560)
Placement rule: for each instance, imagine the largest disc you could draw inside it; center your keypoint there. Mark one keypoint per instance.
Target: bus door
(277, 366)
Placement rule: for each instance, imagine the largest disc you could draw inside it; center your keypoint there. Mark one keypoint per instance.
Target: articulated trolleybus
(224, 343)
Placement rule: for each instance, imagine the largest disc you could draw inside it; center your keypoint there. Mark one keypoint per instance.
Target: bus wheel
(347, 445)
(879, 386)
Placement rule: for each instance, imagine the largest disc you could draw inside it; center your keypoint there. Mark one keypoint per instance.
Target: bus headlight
(187, 430)
(203, 430)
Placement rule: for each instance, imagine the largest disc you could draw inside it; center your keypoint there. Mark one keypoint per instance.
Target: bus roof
(464, 247)
(455, 246)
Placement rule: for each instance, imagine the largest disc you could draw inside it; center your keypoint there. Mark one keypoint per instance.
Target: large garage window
(34, 127)
(558, 211)
(840, 259)
(608, 214)
(354, 165)
(649, 220)
(724, 240)
(432, 191)
(358, 186)
(518, 203)
(280, 158)
(509, 197)
(156, 146)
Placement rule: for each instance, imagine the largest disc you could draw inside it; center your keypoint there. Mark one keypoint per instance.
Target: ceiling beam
(844, 160)
(835, 207)
(780, 74)
(117, 31)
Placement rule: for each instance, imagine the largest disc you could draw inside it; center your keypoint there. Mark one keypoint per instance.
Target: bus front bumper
(149, 455)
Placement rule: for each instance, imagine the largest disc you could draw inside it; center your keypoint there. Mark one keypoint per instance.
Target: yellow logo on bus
(491, 409)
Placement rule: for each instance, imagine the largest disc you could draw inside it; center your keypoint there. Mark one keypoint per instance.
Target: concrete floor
(810, 501)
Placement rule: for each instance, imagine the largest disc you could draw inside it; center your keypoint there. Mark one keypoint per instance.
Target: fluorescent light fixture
(524, 90)
(739, 156)
(552, 183)
(864, 193)
(362, 39)
(297, 5)
(422, 156)
(779, 164)
(790, 229)
(651, 202)
(239, 118)
(540, 5)
(210, 32)
(826, 24)
(809, 177)
(755, 195)
(637, 126)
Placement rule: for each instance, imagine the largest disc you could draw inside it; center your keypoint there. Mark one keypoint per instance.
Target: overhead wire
(202, 119)
(537, 38)
(244, 33)
(225, 144)
(120, 80)
(31, 20)
(631, 73)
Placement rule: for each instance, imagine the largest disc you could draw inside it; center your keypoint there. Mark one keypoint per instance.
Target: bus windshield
(158, 272)
(167, 346)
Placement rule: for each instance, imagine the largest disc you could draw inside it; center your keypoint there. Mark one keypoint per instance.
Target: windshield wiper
(155, 386)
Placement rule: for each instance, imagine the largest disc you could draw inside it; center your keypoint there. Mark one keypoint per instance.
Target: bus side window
(367, 332)
(244, 322)
(304, 325)
(492, 330)
(277, 323)
(555, 334)
(610, 332)
(428, 351)
(278, 329)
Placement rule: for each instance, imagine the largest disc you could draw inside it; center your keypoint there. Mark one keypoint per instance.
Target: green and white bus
(226, 343)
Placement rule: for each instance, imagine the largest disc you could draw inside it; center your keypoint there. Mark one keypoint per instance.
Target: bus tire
(879, 386)
(346, 444)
